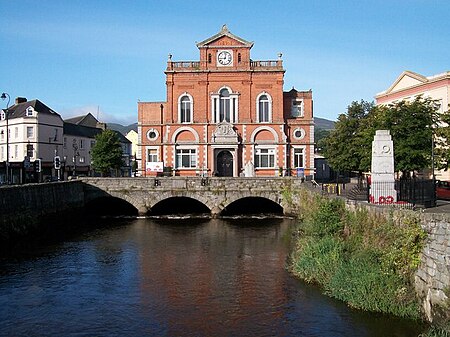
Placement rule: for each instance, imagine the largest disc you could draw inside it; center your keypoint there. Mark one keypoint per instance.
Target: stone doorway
(224, 164)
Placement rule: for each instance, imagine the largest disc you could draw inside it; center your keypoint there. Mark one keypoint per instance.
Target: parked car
(443, 189)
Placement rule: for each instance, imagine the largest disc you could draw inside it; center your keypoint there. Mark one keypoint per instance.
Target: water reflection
(174, 277)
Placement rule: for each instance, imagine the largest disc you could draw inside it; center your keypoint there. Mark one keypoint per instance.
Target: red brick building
(227, 115)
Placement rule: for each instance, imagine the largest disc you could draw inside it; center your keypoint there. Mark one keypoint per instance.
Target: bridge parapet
(216, 193)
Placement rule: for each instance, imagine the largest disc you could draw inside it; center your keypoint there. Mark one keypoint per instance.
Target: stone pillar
(382, 188)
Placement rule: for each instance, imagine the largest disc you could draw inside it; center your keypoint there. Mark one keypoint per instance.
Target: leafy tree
(344, 147)
(319, 136)
(442, 141)
(411, 125)
(107, 152)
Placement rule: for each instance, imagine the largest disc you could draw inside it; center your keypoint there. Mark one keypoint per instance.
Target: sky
(80, 56)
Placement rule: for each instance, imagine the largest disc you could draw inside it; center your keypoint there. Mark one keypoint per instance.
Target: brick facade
(227, 115)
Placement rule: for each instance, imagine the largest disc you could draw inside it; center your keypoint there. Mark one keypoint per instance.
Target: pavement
(442, 206)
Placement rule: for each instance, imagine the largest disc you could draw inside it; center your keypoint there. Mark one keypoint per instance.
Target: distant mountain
(121, 128)
(322, 123)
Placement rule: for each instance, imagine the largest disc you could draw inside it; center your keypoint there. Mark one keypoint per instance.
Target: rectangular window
(16, 151)
(297, 108)
(265, 158)
(82, 160)
(65, 143)
(152, 155)
(186, 158)
(30, 133)
(16, 132)
(29, 112)
(81, 144)
(92, 143)
(298, 158)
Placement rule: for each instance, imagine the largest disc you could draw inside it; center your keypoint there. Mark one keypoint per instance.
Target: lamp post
(3, 97)
(75, 155)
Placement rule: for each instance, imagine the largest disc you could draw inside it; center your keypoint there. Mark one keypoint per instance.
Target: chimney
(20, 100)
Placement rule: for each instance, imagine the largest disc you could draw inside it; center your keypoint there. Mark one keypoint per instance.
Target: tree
(107, 152)
(442, 141)
(344, 147)
(411, 125)
(319, 136)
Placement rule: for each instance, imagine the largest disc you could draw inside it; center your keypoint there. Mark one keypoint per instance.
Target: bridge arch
(110, 205)
(179, 205)
(252, 204)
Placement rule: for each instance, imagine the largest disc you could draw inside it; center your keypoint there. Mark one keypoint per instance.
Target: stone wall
(23, 207)
(432, 280)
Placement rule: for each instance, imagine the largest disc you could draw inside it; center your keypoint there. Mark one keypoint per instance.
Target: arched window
(264, 108)
(224, 106)
(185, 108)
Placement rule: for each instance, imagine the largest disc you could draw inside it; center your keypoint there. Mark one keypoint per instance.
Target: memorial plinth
(382, 188)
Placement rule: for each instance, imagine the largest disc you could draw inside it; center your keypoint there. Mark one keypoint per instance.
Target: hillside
(121, 128)
(324, 124)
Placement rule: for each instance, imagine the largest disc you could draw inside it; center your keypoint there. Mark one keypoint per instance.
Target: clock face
(224, 58)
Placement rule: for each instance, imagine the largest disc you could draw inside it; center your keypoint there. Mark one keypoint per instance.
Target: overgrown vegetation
(436, 332)
(363, 259)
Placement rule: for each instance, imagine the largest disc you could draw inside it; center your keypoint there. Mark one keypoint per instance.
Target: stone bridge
(215, 193)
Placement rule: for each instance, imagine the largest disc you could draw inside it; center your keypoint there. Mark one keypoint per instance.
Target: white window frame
(29, 111)
(297, 107)
(234, 105)
(191, 108)
(302, 133)
(269, 107)
(303, 155)
(270, 151)
(192, 154)
(156, 155)
(30, 132)
(155, 132)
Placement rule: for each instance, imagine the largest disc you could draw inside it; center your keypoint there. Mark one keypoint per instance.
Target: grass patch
(363, 259)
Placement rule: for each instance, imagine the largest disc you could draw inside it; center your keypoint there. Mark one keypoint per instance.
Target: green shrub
(362, 258)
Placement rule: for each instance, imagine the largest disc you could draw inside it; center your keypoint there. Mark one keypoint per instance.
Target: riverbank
(365, 259)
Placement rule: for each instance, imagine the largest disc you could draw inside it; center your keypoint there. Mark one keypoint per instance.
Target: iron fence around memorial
(403, 193)
(409, 193)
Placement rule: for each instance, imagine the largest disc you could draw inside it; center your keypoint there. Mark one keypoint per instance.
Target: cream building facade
(410, 85)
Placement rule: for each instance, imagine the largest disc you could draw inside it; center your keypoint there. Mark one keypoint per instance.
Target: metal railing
(404, 193)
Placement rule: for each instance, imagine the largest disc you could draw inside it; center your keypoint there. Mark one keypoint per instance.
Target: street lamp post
(3, 97)
(75, 155)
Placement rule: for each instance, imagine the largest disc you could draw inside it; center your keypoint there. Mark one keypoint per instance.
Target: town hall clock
(224, 58)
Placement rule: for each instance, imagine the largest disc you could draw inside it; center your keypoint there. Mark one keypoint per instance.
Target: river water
(174, 277)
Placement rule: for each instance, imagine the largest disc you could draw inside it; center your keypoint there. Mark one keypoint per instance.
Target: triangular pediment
(225, 38)
(406, 80)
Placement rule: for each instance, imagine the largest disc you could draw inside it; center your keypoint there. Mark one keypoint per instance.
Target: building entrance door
(225, 164)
